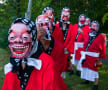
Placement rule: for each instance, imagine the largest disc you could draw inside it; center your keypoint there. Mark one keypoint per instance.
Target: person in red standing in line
(81, 30)
(29, 67)
(49, 45)
(94, 48)
(67, 31)
(56, 33)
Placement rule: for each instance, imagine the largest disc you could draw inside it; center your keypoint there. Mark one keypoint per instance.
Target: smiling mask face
(20, 41)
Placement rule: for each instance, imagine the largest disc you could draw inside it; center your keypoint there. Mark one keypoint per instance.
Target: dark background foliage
(11, 9)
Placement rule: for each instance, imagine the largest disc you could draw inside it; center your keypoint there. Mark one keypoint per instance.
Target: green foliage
(105, 18)
(94, 9)
(38, 6)
(4, 59)
(11, 9)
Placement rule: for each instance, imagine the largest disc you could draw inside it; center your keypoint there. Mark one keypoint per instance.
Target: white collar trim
(30, 62)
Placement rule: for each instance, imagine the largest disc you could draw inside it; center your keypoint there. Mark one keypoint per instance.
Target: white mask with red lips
(20, 41)
(94, 26)
(22, 38)
(81, 21)
(65, 15)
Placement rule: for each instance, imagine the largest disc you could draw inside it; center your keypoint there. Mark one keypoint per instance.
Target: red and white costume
(56, 48)
(47, 78)
(79, 39)
(69, 39)
(67, 32)
(89, 70)
(95, 51)
(29, 67)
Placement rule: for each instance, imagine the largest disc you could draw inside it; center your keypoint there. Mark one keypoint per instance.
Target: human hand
(80, 30)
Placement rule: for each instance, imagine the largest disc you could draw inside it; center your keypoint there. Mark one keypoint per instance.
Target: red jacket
(70, 37)
(47, 78)
(58, 35)
(80, 38)
(57, 54)
(98, 46)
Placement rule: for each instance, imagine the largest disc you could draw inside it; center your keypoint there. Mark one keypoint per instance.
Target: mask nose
(18, 40)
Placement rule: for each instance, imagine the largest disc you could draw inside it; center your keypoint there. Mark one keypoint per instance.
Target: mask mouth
(65, 18)
(93, 30)
(82, 21)
(20, 50)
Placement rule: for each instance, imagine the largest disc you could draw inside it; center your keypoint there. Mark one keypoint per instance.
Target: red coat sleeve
(58, 35)
(58, 56)
(102, 48)
(11, 82)
(71, 35)
(52, 78)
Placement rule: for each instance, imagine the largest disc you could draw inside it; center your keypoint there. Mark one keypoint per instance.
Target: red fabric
(69, 41)
(70, 38)
(45, 79)
(98, 46)
(81, 38)
(58, 56)
(58, 35)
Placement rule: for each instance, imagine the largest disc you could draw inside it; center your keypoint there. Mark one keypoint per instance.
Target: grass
(107, 49)
(4, 58)
(72, 82)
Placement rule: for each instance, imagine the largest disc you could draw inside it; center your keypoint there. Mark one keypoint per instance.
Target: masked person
(81, 30)
(88, 21)
(67, 30)
(94, 48)
(29, 67)
(56, 33)
(51, 46)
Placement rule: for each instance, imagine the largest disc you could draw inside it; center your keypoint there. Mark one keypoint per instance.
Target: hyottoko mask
(94, 26)
(21, 39)
(44, 22)
(65, 15)
(82, 19)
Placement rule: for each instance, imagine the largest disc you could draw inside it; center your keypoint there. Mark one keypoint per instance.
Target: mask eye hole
(25, 37)
(11, 37)
(41, 24)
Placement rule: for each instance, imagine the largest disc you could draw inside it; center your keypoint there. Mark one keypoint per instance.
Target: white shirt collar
(30, 62)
